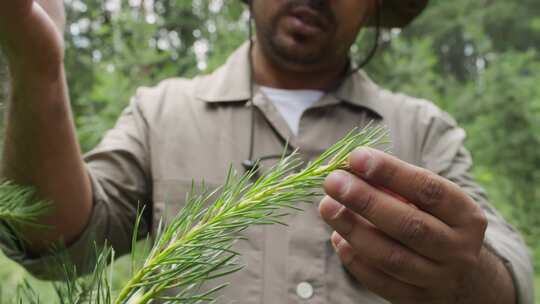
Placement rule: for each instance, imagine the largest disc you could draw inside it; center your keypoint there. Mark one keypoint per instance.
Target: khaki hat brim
(397, 13)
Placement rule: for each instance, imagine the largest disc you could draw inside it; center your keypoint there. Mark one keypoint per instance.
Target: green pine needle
(196, 246)
(19, 207)
(18, 204)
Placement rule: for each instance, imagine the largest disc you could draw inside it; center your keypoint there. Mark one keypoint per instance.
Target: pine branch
(19, 207)
(26, 294)
(196, 246)
(93, 289)
(18, 204)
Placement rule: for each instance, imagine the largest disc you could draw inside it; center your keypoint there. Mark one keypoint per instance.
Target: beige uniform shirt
(187, 129)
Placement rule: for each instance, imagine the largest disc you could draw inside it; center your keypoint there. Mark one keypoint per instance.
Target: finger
(425, 189)
(336, 215)
(412, 227)
(382, 252)
(55, 10)
(33, 45)
(395, 195)
(12, 10)
(374, 279)
(15, 6)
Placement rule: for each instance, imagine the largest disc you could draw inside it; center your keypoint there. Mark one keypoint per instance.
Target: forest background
(478, 60)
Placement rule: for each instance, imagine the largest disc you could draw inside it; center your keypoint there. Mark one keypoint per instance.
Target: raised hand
(40, 147)
(31, 35)
(426, 250)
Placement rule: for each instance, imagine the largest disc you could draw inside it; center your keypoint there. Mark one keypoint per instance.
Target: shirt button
(304, 290)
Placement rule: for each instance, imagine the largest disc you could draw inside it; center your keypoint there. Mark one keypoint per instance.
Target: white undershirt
(291, 104)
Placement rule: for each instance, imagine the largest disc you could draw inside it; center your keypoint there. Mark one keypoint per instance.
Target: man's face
(309, 34)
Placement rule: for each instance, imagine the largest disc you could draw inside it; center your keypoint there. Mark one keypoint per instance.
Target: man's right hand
(31, 36)
(40, 143)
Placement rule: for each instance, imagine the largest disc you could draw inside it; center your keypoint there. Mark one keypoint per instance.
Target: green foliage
(18, 207)
(512, 118)
(478, 60)
(112, 52)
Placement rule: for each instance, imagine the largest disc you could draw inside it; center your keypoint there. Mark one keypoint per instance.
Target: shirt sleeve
(443, 152)
(119, 170)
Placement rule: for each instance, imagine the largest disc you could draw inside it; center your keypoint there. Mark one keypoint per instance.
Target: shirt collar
(231, 83)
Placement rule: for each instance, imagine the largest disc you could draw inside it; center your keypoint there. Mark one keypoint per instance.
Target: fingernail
(338, 183)
(329, 208)
(345, 253)
(336, 239)
(362, 161)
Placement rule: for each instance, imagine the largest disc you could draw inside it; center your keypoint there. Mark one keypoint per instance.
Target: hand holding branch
(426, 250)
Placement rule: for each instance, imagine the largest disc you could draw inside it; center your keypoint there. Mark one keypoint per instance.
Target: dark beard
(322, 7)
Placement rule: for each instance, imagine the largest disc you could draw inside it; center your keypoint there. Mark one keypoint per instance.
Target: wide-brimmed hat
(397, 13)
(400, 13)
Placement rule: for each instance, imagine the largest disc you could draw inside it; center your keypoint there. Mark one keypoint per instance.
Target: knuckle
(367, 204)
(429, 187)
(388, 172)
(348, 229)
(395, 261)
(479, 219)
(413, 229)
(444, 240)
(467, 260)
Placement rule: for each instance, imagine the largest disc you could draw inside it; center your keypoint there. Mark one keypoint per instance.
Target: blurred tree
(113, 48)
(478, 60)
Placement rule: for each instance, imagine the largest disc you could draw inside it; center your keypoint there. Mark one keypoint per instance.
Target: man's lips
(310, 16)
(306, 21)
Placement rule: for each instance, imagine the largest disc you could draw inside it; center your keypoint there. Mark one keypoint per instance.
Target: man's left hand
(410, 235)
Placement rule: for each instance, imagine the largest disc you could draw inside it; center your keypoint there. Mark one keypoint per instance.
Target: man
(434, 249)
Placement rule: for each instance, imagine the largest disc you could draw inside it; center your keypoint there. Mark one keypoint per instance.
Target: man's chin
(300, 55)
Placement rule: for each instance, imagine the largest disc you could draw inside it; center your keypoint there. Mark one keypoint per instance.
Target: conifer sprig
(19, 207)
(18, 204)
(197, 245)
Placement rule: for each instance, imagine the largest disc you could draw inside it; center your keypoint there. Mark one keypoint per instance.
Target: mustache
(322, 7)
